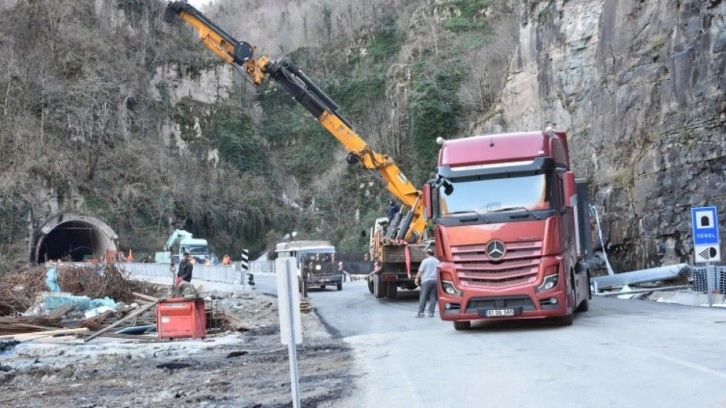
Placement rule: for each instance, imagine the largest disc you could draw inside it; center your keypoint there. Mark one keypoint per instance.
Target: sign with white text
(706, 243)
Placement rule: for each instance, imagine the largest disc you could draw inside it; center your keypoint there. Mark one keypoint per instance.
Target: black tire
(339, 286)
(462, 325)
(370, 284)
(583, 307)
(565, 320)
(322, 286)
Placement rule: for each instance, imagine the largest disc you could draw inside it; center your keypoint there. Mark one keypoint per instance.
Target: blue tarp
(83, 302)
(51, 279)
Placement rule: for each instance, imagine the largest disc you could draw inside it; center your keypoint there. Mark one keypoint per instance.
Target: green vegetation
(385, 40)
(355, 94)
(133, 9)
(469, 16)
(435, 109)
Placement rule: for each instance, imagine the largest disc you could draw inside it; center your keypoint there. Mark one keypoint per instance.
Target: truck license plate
(499, 312)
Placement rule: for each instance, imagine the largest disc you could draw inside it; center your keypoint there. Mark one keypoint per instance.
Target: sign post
(245, 264)
(706, 243)
(288, 307)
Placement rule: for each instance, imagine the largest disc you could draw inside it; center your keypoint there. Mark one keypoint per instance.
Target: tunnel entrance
(74, 238)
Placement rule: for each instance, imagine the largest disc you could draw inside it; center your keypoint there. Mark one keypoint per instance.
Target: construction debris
(131, 316)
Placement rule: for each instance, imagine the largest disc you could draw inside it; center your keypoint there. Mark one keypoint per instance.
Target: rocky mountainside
(640, 87)
(153, 133)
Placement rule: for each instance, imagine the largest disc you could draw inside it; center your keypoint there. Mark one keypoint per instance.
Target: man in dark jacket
(391, 210)
(185, 268)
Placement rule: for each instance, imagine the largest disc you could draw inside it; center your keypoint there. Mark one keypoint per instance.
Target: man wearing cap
(426, 277)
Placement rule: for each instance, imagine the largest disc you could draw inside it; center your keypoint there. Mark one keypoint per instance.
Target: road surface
(622, 353)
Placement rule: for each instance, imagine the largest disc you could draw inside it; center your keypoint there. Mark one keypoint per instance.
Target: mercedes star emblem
(496, 249)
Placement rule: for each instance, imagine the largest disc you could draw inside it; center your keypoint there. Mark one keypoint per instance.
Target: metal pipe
(642, 276)
(636, 291)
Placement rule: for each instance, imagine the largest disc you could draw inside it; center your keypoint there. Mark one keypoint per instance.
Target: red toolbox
(181, 318)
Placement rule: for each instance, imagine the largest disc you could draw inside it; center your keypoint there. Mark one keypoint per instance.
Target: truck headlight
(450, 289)
(549, 282)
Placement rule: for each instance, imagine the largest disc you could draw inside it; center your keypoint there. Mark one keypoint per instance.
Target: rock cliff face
(640, 88)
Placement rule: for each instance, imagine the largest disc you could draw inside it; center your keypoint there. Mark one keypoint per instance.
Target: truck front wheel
(565, 320)
(462, 325)
(370, 284)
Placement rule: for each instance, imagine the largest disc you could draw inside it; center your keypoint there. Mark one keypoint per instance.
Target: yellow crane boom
(241, 56)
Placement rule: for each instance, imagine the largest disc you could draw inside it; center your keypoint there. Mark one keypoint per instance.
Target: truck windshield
(526, 192)
(197, 250)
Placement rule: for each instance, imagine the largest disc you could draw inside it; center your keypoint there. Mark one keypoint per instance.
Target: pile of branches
(100, 280)
(19, 288)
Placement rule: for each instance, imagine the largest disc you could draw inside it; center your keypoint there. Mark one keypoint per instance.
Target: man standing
(426, 277)
(185, 269)
(392, 210)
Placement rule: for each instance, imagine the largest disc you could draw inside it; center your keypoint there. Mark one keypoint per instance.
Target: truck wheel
(322, 286)
(339, 286)
(462, 325)
(370, 284)
(565, 320)
(584, 306)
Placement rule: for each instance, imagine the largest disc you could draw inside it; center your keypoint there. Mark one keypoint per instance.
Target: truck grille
(519, 265)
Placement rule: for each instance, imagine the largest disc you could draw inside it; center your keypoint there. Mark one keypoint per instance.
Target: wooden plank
(58, 313)
(118, 322)
(145, 297)
(34, 335)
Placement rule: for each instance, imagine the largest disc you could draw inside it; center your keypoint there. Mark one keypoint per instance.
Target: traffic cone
(131, 256)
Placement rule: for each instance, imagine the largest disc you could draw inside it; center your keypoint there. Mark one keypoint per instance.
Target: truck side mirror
(427, 200)
(569, 187)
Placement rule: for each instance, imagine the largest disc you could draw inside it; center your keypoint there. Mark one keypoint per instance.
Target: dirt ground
(231, 369)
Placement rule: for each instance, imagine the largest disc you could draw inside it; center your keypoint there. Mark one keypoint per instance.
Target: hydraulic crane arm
(293, 80)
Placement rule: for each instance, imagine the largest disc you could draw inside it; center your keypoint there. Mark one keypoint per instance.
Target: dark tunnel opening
(72, 241)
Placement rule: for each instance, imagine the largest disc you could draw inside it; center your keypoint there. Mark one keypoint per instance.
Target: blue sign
(705, 226)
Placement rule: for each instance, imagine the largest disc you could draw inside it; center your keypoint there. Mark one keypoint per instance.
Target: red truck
(511, 226)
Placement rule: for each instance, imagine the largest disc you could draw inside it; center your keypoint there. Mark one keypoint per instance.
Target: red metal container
(181, 318)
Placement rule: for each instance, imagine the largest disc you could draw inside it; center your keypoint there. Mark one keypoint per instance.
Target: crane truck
(181, 241)
(511, 228)
(399, 245)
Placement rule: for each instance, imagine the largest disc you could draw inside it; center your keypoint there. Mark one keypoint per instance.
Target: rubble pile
(113, 356)
(91, 297)
(20, 288)
(102, 280)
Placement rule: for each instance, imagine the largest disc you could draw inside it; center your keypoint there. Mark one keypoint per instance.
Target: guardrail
(231, 274)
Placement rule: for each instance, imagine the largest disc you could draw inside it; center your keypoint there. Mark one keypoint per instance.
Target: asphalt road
(621, 353)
